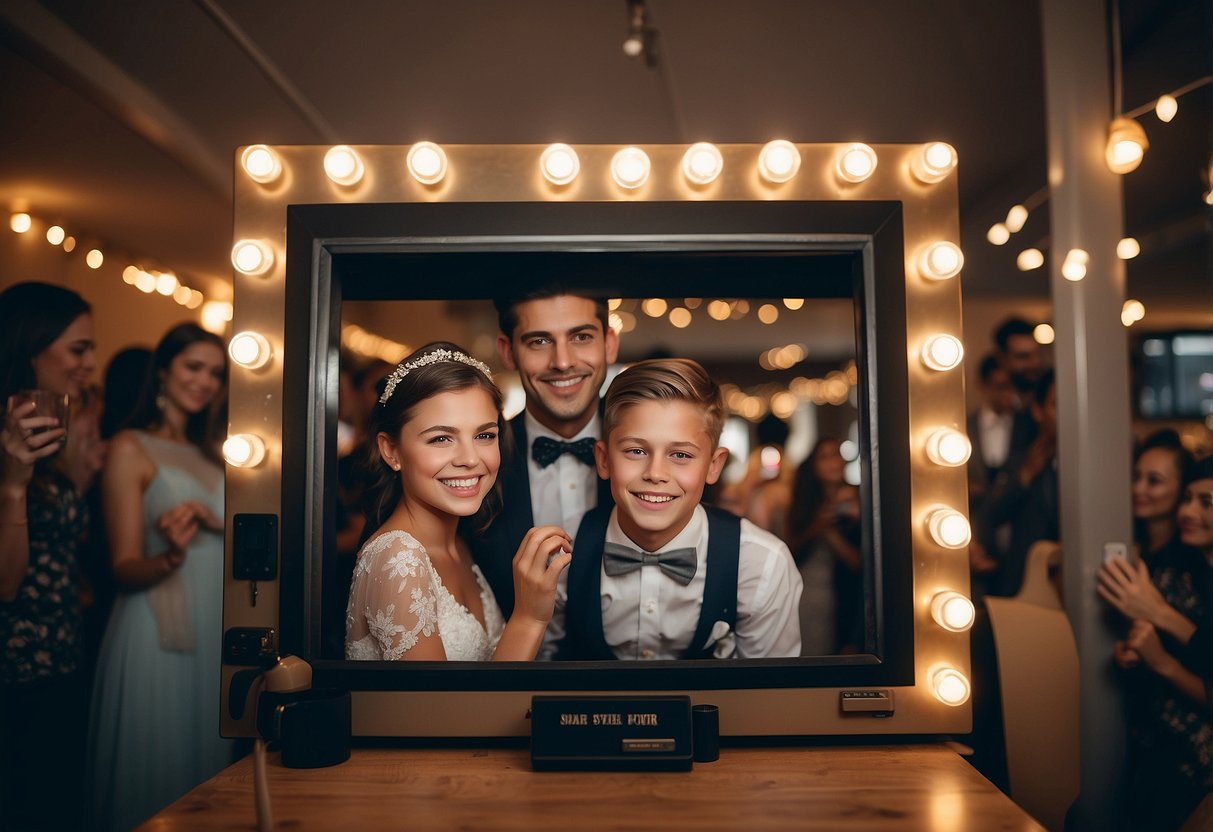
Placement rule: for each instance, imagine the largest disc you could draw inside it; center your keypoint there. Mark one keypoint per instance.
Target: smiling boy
(659, 576)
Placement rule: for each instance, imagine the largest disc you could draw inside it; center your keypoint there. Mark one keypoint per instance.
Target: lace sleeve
(393, 607)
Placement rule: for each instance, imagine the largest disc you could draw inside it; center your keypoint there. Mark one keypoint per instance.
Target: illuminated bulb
(427, 162)
(998, 234)
(1029, 259)
(1209, 197)
(856, 162)
(260, 163)
(130, 274)
(55, 235)
(1127, 144)
(942, 352)
(215, 315)
(1128, 248)
(343, 165)
(940, 261)
(933, 163)
(1016, 217)
(719, 310)
(953, 611)
(768, 313)
(195, 300)
(1074, 267)
(145, 283)
(702, 163)
(654, 307)
(243, 450)
(249, 349)
(680, 317)
(778, 161)
(1043, 334)
(1132, 311)
(559, 164)
(793, 303)
(69, 245)
(1166, 108)
(614, 303)
(252, 257)
(951, 686)
(182, 295)
(630, 168)
(949, 448)
(166, 283)
(949, 528)
(94, 259)
(20, 223)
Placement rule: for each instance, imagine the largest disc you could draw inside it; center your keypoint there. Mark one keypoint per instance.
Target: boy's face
(658, 458)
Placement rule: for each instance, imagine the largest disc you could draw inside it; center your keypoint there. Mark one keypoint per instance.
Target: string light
(1126, 146)
(55, 235)
(1074, 267)
(1016, 217)
(20, 222)
(1044, 334)
(998, 234)
(1029, 259)
(1128, 248)
(1132, 311)
(1166, 108)
(94, 259)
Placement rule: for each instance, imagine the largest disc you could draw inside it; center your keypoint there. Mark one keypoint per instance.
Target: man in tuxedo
(561, 346)
(1021, 356)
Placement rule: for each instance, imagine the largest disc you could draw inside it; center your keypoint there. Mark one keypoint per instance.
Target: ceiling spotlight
(427, 162)
(559, 164)
(630, 168)
(778, 161)
(1127, 144)
(702, 163)
(933, 162)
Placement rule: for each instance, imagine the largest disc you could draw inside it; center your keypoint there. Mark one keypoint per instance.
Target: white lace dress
(397, 600)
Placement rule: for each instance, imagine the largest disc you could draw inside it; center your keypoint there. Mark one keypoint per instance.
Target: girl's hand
(1128, 588)
(1126, 657)
(1143, 640)
(542, 556)
(178, 525)
(26, 439)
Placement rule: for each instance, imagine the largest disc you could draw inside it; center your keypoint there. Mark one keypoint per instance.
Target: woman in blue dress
(155, 711)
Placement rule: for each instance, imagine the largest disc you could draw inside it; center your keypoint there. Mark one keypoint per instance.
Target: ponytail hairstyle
(439, 367)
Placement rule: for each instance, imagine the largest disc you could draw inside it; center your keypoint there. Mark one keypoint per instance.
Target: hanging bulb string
(1184, 90)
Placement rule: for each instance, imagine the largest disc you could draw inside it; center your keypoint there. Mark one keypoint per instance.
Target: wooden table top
(868, 788)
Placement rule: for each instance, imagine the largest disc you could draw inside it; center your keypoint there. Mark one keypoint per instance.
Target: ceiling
(121, 118)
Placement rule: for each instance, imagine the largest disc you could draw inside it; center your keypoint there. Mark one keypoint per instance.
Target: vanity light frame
(484, 174)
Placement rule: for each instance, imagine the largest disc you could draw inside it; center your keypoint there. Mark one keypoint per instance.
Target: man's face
(561, 354)
(1022, 360)
(998, 391)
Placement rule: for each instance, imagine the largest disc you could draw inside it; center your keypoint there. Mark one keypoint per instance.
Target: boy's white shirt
(647, 615)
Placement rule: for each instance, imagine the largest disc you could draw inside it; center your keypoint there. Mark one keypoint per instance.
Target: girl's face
(194, 377)
(65, 365)
(447, 453)
(1155, 485)
(828, 464)
(1196, 516)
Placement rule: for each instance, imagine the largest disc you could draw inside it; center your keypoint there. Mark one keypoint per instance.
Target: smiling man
(561, 346)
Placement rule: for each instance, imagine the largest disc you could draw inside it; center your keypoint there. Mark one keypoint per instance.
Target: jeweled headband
(429, 358)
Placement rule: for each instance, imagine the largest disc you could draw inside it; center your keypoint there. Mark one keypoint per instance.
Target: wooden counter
(868, 788)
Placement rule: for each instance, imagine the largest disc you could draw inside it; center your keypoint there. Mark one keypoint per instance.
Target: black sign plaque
(611, 733)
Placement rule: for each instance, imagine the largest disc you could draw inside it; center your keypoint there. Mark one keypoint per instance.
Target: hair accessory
(435, 357)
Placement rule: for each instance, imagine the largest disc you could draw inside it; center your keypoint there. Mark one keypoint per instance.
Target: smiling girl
(416, 594)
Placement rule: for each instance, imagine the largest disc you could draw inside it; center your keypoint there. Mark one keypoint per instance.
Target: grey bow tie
(678, 564)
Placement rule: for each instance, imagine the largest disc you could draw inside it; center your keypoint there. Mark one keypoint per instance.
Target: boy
(659, 576)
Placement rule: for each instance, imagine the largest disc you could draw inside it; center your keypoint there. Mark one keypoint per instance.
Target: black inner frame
(670, 249)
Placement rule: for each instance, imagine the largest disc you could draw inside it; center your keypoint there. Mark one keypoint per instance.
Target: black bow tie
(547, 450)
(678, 564)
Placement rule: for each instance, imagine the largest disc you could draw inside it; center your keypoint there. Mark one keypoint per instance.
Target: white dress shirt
(648, 615)
(995, 436)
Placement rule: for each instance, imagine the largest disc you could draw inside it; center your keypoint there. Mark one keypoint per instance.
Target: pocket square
(724, 639)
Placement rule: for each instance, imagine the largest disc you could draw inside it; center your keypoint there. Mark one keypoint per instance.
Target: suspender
(584, 638)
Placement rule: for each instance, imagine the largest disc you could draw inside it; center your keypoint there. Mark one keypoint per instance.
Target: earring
(161, 401)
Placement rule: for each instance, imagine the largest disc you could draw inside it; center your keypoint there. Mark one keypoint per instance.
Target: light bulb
(261, 164)
(778, 161)
(1016, 217)
(940, 261)
(949, 528)
(933, 162)
(244, 450)
(856, 162)
(1166, 108)
(427, 162)
(1074, 267)
(1044, 334)
(69, 245)
(166, 283)
(950, 686)
(942, 352)
(949, 448)
(1126, 145)
(654, 307)
(630, 168)
(196, 299)
(130, 274)
(182, 295)
(343, 165)
(702, 163)
(559, 164)
(252, 257)
(249, 349)
(1128, 248)
(55, 235)
(1029, 259)
(793, 303)
(1132, 311)
(680, 317)
(94, 258)
(145, 282)
(998, 234)
(768, 313)
(953, 611)
(215, 315)
(20, 223)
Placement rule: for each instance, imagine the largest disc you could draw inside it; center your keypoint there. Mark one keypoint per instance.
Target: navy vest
(584, 639)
